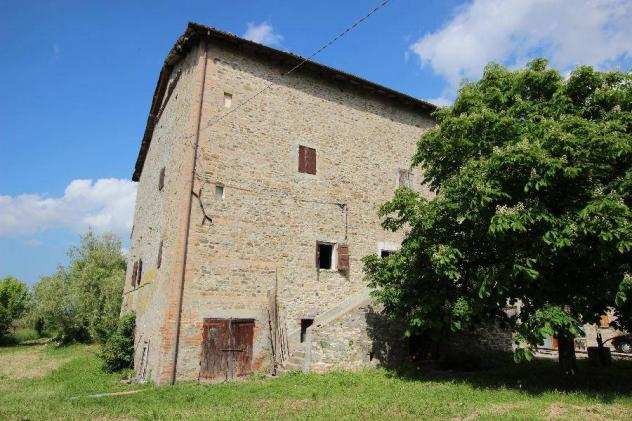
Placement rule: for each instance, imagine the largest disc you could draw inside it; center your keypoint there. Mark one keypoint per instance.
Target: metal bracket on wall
(198, 196)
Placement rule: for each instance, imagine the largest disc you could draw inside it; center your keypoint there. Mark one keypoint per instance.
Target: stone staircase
(297, 362)
(301, 355)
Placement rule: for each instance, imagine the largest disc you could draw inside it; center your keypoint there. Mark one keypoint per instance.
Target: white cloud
(106, 204)
(263, 33)
(567, 32)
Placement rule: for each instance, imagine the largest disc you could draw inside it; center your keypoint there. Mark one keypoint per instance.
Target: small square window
(219, 192)
(228, 100)
(324, 255)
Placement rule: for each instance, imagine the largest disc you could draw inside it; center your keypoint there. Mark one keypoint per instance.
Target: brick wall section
(155, 219)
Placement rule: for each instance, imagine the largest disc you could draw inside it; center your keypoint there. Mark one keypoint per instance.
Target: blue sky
(79, 76)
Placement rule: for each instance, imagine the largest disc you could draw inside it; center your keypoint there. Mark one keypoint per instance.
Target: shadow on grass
(536, 377)
(539, 376)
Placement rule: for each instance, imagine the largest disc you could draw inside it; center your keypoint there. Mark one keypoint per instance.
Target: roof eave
(196, 31)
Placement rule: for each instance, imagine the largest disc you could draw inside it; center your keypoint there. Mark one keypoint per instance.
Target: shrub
(15, 299)
(117, 353)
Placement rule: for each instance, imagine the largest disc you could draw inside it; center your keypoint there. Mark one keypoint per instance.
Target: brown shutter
(343, 257)
(306, 160)
(161, 179)
(140, 272)
(159, 262)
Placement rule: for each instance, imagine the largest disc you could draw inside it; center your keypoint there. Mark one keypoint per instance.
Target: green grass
(39, 382)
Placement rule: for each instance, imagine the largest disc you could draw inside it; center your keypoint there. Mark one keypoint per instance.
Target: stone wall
(269, 217)
(266, 225)
(361, 338)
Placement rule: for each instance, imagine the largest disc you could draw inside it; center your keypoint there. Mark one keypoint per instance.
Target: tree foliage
(15, 299)
(117, 353)
(83, 301)
(533, 182)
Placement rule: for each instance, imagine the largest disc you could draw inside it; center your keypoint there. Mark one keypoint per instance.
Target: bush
(15, 299)
(117, 353)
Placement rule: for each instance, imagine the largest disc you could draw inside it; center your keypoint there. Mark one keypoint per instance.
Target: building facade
(257, 199)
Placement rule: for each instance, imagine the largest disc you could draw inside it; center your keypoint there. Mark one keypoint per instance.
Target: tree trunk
(566, 353)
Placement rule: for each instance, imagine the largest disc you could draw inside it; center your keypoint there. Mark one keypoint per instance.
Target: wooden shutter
(159, 262)
(306, 160)
(343, 257)
(140, 272)
(161, 179)
(215, 343)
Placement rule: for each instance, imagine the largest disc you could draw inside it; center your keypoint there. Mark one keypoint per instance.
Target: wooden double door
(226, 348)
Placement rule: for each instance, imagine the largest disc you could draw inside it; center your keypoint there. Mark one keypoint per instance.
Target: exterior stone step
(291, 366)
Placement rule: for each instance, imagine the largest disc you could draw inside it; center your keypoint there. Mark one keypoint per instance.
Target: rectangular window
(159, 260)
(219, 192)
(305, 323)
(306, 160)
(228, 100)
(385, 253)
(324, 255)
(161, 179)
(404, 178)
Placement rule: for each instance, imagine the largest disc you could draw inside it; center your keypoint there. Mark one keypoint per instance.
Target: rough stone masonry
(250, 224)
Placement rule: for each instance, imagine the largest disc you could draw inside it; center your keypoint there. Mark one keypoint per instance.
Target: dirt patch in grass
(27, 363)
(589, 412)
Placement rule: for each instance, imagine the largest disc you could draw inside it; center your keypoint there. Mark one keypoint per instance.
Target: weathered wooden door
(215, 338)
(226, 348)
(242, 333)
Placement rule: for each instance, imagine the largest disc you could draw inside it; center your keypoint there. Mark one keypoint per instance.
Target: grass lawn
(42, 381)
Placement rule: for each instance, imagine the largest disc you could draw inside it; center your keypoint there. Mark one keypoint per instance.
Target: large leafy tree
(533, 180)
(83, 300)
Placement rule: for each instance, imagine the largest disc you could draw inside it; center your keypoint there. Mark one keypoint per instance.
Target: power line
(323, 47)
(302, 62)
(299, 65)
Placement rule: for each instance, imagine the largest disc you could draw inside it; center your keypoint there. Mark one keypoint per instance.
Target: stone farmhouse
(252, 217)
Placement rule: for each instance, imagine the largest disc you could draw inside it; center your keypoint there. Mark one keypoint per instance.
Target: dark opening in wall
(305, 323)
(139, 276)
(161, 179)
(159, 260)
(386, 253)
(324, 252)
(134, 274)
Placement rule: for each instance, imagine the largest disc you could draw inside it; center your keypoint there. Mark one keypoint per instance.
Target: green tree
(96, 274)
(15, 299)
(83, 301)
(533, 182)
